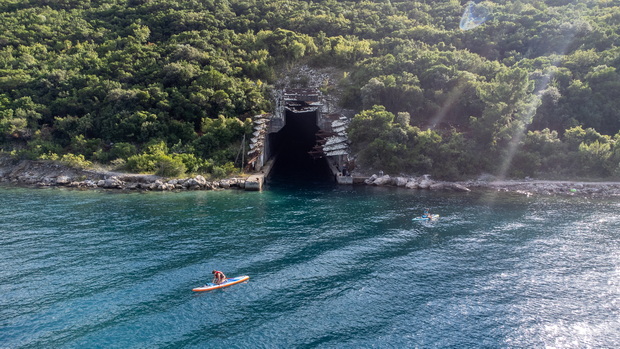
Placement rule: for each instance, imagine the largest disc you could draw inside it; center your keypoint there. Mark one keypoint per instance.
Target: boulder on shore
(425, 184)
(202, 182)
(63, 180)
(50, 173)
(412, 184)
(422, 182)
(437, 186)
(371, 179)
(383, 180)
(400, 181)
(459, 187)
(113, 183)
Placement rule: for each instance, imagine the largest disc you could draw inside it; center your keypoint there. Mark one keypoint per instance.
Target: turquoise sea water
(330, 267)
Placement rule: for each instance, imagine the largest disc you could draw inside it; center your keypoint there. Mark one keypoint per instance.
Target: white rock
(425, 184)
(438, 186)
(371, 179)
(412, 184)
(112, 182)
(200, 180)
(384, 180)
(400, 181)
(459, 187)
(62, 180)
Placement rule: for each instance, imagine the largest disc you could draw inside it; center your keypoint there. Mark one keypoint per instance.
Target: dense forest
(446, 87)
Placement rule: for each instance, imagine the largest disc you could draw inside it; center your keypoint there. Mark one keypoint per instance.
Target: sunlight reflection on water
(328, 269)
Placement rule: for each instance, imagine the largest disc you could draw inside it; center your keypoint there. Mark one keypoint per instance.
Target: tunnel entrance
(291, 146)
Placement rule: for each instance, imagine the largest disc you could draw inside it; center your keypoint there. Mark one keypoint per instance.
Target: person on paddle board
(218, 277)
(427, 213)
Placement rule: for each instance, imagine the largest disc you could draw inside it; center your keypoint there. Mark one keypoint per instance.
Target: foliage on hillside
(165, 85)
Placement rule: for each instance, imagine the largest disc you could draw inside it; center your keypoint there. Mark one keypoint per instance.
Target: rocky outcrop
(401, 181)
(383, 180)
(412, 185)
(526, 187)
(545, 187)
(423, 182)
(49, 173)
(459, 187)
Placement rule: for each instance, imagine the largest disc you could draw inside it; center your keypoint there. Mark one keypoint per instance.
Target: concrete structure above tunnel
(305, 112)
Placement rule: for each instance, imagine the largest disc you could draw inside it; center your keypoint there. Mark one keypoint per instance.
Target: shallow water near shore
(330, 266)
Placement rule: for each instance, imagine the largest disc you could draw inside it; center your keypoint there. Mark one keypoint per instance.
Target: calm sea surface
(330, 267)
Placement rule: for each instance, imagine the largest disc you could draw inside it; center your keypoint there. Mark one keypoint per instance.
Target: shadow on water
(299, 171)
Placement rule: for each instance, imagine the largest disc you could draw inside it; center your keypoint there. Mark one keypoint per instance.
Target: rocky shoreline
(527, 187)
(54, 174)
(423, 182)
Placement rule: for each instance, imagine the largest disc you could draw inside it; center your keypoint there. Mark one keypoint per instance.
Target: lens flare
(474, 16)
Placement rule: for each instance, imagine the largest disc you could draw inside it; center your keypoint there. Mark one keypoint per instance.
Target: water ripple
(329, 268)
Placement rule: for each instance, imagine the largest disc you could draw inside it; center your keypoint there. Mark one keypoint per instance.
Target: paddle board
(434, 216)
(228, 282)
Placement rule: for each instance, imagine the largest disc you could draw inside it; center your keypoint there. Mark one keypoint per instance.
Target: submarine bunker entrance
(291, 146)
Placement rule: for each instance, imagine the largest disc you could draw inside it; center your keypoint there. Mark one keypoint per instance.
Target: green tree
(509, 108)
(369, 125)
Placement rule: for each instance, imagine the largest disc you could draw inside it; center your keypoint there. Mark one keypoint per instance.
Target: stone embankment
(424, 182)
(547, 188)
(525, 187)
(48, 173)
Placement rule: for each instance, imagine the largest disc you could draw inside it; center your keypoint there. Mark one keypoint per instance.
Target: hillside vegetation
(532, 89)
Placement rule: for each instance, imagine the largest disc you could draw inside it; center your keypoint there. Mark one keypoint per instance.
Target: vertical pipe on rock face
(243, 152)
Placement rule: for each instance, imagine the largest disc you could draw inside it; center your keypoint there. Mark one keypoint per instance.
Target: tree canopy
(536, 82)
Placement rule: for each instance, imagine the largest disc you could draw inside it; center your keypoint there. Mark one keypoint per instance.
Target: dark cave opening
(291, 146)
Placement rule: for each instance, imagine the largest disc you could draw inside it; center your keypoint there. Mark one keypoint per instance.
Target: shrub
(88, 147)
(230, 168)
(122, 150)
(49, 156)
(161, 164)
(38, 147)
(141, 163)
(194, 164)
(218, 172)
(77, 161)
(119, 163)
(168, 166)
(224, 170)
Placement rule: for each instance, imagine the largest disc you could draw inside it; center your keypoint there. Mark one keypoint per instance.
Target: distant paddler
(426, 216)
(427, 213)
